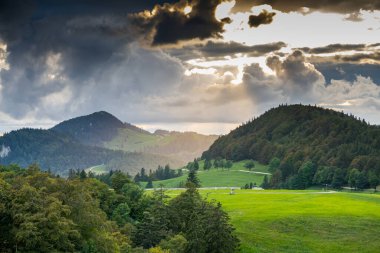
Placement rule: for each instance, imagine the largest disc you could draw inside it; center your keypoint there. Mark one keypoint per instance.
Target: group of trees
(217, 163)
(161, 173)
(209, 164)
(188, 222)
(309, 174)
(40, 212)
(249, 185)
(193, 165)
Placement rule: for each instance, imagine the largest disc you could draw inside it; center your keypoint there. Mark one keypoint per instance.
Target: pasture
(302, 221)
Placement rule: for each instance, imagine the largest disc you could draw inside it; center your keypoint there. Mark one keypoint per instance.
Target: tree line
(310, 174)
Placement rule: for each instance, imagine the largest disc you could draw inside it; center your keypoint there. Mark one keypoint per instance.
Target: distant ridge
(102, 129)
(100, 138)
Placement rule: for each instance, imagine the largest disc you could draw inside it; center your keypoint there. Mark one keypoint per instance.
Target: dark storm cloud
(168, 24)
(361, 57)
(348, 71)
(337, 6)
(367, 55)
(333, 48)
(263, 18)
(57, 48)
(222, 49)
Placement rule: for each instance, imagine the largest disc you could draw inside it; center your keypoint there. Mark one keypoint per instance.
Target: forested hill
(59, 153)
(91, 129)
(102, 129)
(296, 134)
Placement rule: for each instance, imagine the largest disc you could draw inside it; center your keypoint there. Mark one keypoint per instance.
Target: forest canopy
(40, 212)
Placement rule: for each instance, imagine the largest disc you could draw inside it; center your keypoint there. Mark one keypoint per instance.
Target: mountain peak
(91, 129)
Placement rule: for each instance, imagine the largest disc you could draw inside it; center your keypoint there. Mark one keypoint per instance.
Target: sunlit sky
(204, 66)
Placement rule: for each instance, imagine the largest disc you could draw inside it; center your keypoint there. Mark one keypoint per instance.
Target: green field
(302, 221)
(97, 170)
(237, 176)
(132, 140)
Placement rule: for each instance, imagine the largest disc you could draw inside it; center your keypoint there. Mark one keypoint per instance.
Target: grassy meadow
(97, 170)
(302, 221)
(236, 176)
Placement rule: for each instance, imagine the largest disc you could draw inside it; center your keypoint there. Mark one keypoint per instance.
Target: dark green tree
(338, 178)
(196, 164)
(83, 174)
(265, 183)
(362, 181)
(207, 164)
(192, 178)
(373, 180)
(353, 178)
(249, 165)
(149, 185)
(274, 164)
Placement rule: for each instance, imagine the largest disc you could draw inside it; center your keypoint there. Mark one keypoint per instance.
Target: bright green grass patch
(302, 221)
(97, 170)
(131, 140)
(237, 176)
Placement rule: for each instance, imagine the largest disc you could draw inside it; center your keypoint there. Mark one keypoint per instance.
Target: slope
(59, 153)
(102, 129)
(297, 134)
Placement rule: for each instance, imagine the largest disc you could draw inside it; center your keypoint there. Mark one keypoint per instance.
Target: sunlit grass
(302, 221)
(233, 177)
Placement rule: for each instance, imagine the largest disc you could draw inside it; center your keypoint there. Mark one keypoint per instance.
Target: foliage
(43, 213)
(288, 137)
(60, 153)
(265, 184)
(250, 165)
(192, 179)
(162, 173)
(207, 164)
(175, 244)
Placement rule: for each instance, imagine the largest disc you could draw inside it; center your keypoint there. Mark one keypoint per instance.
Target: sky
(187, 65)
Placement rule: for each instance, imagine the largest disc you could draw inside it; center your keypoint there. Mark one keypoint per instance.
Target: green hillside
(102, 129)
(314, 146)
(59, 153)
(91, 129)
(301, 221)
(237, 176)
(177, 145)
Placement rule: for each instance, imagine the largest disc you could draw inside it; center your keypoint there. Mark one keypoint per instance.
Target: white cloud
(297, 81)
(4, 151)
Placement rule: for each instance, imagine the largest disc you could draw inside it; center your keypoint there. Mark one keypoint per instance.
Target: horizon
(184, 128)
(222, 63)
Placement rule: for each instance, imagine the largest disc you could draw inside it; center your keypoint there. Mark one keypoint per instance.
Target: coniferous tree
(265, 184)
(207, 165)
(192, 178)
(338, 178)
(149, 185)
(373, 180)
(83, 175)
(196, 164)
